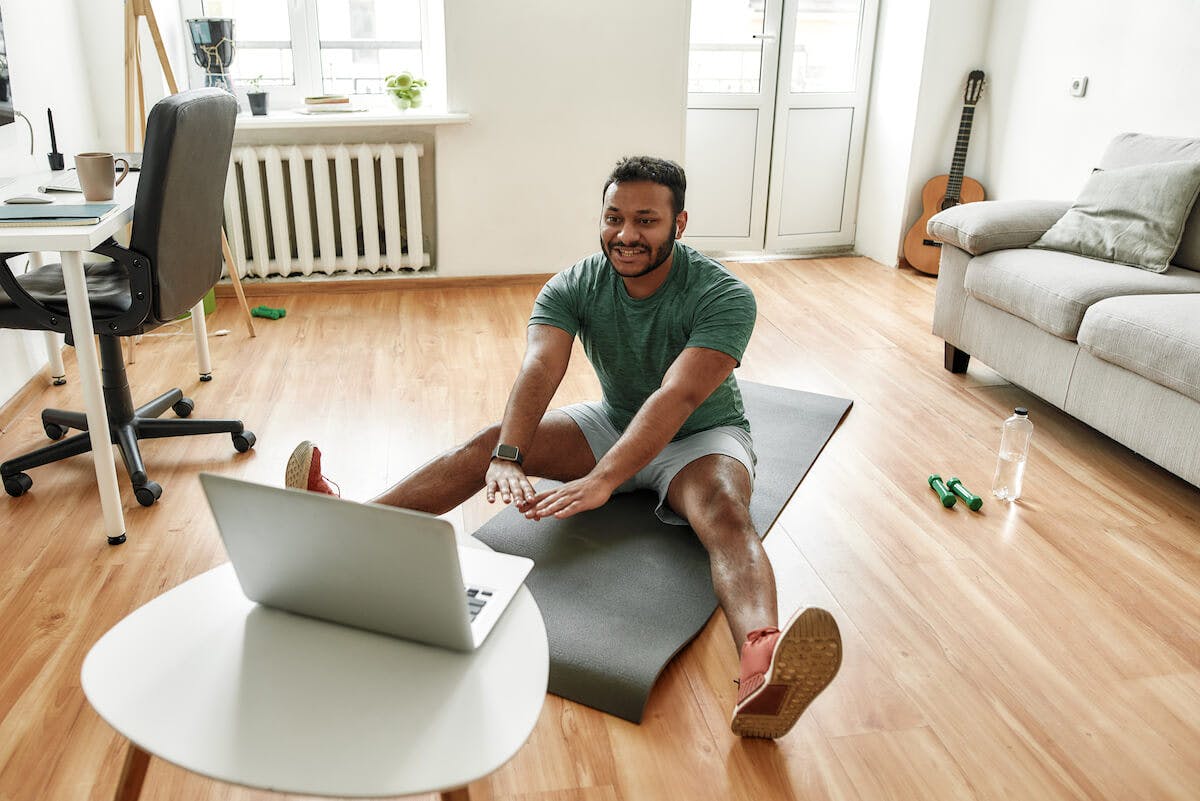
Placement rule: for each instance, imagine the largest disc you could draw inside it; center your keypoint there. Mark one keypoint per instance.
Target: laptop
(378, 568)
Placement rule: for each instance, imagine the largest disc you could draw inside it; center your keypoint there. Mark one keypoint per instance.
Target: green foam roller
(972, 500)
(939, 486)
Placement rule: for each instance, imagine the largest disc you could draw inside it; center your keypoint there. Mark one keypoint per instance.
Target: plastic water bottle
(1014, 451)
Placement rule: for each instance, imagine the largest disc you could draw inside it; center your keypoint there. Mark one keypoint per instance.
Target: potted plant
(404, 90)
(257, 97)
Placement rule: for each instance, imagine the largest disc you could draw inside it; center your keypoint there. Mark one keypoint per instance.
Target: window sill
(371, 118)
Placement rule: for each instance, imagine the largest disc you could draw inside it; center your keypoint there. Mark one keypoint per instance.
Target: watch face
(507, 452)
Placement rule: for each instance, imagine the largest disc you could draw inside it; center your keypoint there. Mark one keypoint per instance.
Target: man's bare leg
(713, 495)
(781, 671)
(559, 451)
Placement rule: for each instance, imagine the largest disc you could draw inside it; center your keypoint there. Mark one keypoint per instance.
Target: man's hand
(508, 479)
(571, 498)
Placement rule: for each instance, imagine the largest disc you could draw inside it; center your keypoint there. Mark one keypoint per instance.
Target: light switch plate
(1079, 86)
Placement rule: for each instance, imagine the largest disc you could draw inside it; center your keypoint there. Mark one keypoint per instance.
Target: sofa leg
(956, 360)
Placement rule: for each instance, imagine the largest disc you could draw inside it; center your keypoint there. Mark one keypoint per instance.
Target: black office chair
(173, 260)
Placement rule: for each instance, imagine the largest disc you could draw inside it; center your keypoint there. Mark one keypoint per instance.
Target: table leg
(132, 774)
(459, 794)
(89, 377)
(58, 373)
(200, 329)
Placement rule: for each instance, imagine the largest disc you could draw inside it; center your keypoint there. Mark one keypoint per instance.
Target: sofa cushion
(1130, 215)
(1128, 149)
(1155, 336)
(989, 225)
(1052, 290)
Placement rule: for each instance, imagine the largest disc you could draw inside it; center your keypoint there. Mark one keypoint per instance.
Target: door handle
(766, 37)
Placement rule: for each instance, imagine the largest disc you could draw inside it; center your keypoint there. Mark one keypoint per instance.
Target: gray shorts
(601, 435)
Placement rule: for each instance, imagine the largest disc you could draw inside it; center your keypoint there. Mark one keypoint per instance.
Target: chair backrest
(179, 209)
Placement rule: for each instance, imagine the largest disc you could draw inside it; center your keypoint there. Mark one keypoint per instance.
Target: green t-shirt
(631, 342)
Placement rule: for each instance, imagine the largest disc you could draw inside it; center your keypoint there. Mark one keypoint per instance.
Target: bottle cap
(1021, 410)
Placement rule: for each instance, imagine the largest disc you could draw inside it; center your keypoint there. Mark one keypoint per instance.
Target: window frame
(305, 45)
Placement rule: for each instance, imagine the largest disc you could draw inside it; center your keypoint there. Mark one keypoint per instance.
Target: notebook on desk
(54, 214)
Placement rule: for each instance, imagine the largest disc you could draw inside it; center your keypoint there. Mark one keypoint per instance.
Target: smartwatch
(509, 453)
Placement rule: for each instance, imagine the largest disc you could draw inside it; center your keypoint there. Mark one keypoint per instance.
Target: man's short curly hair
(648, 168)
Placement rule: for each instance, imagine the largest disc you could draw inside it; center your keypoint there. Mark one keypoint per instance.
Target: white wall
(1031, 138)
(102, 26)
(891, 126)
(557, 92)
(923, 53)
(1141, 60)
(42, 77)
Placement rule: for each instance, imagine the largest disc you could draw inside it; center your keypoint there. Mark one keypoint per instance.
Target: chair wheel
(148, 493)
(183, 407)
(54, 430)
(244, 441)
(17, 485)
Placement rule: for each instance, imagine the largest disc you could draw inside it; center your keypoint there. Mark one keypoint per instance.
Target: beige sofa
(1115, 346)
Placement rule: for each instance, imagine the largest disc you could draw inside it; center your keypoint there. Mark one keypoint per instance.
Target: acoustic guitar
(945, 191)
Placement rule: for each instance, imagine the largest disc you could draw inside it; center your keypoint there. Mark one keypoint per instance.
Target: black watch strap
(509, 453)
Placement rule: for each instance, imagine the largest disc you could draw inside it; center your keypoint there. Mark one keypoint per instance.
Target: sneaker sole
(299, 463)
(805, 661)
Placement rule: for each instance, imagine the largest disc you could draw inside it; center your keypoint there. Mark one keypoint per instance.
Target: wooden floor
(1047, 650)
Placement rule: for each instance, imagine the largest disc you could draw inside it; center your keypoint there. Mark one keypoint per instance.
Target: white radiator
(325, 208)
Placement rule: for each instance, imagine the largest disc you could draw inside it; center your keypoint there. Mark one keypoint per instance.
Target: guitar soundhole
(948, 203)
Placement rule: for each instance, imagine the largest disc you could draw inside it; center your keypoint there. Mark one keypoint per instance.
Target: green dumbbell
(939, 486)
(972, 501)
(268, 312)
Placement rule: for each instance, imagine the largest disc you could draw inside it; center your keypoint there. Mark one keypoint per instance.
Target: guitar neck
(954, 185)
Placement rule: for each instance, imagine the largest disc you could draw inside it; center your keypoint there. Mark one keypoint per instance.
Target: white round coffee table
(210, 681)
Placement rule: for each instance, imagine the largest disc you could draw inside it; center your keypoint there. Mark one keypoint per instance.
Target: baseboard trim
(275, 287)
(25, 396)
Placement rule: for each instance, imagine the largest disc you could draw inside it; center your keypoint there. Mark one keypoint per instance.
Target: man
(663, 326)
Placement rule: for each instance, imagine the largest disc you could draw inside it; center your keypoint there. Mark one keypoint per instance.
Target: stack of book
(326, 100)
(322, 104)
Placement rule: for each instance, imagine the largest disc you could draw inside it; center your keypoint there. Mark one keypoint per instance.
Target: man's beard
(658, 260)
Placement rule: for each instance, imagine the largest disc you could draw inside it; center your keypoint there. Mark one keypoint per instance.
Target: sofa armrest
(995, 224)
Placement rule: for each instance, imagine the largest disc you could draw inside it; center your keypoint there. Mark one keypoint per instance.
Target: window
(725, 52)
(310, 47)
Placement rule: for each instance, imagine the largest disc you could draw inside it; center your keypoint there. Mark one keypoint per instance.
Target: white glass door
(732, 68)
(820, 119)
(777, 94)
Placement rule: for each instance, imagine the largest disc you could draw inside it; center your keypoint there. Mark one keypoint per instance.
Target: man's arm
(692, 377)
(547, 354)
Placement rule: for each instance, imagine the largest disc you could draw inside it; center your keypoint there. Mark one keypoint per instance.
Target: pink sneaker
(304, 471)
(782, 672)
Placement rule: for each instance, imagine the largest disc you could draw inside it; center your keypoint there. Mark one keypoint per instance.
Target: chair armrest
(45, 317)
(995, 224)
(140, 286)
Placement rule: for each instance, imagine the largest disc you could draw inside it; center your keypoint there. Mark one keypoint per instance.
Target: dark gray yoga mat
(622, 592)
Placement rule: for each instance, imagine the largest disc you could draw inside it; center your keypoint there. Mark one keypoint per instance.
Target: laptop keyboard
(477, 597)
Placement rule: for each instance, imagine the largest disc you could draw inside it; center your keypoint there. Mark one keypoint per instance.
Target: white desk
(72, 242)
(208, 680)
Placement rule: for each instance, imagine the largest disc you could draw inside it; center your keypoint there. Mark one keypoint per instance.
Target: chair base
(126, 426)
